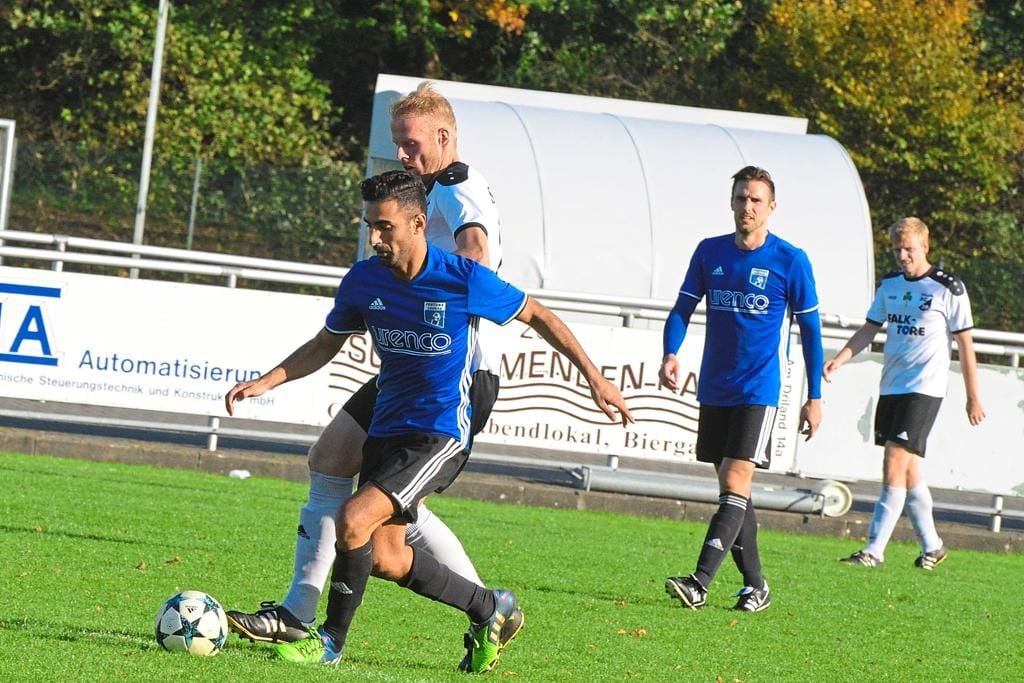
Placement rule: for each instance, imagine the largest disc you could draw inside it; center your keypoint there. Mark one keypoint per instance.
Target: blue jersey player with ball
(421, 306)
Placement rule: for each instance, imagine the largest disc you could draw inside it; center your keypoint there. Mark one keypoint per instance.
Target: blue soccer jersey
(424, 332)
(751, 298)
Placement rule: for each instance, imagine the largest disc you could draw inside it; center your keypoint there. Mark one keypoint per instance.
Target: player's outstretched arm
(857, 343)
(551, 328)
(306, 359)
(969, 369)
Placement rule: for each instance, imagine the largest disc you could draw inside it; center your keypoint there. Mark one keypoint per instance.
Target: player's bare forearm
(857, 343)
(556, 333)
(313, 355)
(307, 359)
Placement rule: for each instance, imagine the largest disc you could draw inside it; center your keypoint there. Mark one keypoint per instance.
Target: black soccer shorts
(740, 432)
(410, 467)
(906, 419)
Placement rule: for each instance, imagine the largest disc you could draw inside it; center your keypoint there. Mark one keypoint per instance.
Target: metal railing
(627, 310)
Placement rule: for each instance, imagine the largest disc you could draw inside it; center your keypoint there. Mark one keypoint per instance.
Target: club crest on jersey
(433, 313)
(759, 277)
(926, 302)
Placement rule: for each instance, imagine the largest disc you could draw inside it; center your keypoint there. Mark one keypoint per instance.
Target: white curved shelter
(610, 197)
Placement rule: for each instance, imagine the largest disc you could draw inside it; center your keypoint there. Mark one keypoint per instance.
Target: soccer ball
(192, 622)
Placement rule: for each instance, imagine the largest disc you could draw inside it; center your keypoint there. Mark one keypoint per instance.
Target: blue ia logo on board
(23, 324)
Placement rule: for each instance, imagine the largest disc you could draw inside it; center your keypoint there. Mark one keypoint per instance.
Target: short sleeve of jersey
(345, 317)
(694, 283)
(491, 297)
(960, 317)
(466, 204)
(876, 314)
(803, 295)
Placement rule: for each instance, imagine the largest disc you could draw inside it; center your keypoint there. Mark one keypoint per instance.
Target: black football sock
(722, 531)
(348, 583)
(744, 551)
(436, 581)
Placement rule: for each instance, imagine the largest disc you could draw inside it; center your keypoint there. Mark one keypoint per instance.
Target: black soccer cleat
(270, 624)
(863, 559)
(753, 599)
(687, 590)
(931, 559)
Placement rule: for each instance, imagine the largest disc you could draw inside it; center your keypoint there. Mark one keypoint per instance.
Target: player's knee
(334, 458)
(351, 533)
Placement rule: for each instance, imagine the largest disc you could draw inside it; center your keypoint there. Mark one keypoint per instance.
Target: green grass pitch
(89, 551)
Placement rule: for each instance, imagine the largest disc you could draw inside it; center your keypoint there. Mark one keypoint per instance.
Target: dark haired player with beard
(421, 306)
(461, 218)
(754, 283)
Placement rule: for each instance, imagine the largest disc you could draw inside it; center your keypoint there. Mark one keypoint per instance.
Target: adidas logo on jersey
(718, 271)
(377, 305)
(903, 435)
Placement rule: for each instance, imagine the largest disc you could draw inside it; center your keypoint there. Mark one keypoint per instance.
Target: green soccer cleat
(489, 639)
(317, 648)
(509, 630)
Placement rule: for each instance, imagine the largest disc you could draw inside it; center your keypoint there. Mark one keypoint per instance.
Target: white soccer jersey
(922, 315)
(460, 198)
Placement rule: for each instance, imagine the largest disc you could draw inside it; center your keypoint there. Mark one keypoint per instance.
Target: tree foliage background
(274, 100)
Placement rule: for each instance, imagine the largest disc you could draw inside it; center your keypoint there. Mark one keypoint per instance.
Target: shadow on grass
(69, 534)
(213, 488)
(142, 642)
(73, 634)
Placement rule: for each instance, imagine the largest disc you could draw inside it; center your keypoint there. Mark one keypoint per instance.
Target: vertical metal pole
(6, 172)
(147, 147)
(62, 246)
(192, 209)
(195, 201)
(997, 518)
(211, 440)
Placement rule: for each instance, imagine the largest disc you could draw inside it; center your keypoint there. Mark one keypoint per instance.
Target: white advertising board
(179, 347)
(149, 345)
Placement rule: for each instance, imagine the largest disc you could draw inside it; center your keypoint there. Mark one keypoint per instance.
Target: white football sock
(888, 509)
(433, 536)
(919, 507)
(314, 546)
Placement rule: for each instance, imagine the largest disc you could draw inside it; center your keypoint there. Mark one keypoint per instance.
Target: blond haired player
(926, 307)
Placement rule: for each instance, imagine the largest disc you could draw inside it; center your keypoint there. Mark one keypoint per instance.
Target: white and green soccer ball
(192, 622)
